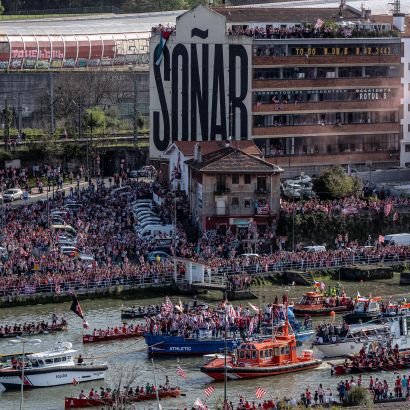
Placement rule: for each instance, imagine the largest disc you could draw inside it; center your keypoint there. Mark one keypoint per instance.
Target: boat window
(63, 359)
(57, 360)
(248, 354)
(287, 349)
(276, 351)
(266, 353)
(270, 352)
(282, 350)
(49, 361)
(34, 363)
(41, 363)
(254, 354)
(261, 354)
(241, 354)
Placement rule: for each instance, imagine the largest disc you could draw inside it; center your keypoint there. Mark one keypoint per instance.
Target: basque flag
(209, 391)
(76, 308)
(159, 50)
(260, 393)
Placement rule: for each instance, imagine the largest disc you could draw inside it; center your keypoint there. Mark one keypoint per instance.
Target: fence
(217, 276)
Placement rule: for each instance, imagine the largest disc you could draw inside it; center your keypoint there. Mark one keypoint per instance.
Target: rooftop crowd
(32, 262)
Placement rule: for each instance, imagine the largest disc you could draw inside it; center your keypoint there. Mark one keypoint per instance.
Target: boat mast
(155, 384)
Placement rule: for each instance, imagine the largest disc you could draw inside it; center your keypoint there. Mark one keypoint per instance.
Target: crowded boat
(33, 328)
(115, 333)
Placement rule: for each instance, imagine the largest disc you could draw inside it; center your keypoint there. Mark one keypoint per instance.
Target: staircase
(300, 278)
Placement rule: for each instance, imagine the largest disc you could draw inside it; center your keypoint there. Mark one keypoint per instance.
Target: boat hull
(339, 349)
(76, 403)
(353, 318)
(159, 345)
(121, 336)
(239, 373)
(302, 310)
(48, 377)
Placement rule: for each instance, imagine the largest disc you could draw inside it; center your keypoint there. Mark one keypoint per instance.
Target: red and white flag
(168, 305)
(387, 208)
(255, 308)
(209, 391)
(180, 372)
(260, 393)
(75, 381)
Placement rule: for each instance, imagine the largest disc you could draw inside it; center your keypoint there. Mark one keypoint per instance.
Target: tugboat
(262, 358)
(365, 310)
(51, 368)
(315, 303)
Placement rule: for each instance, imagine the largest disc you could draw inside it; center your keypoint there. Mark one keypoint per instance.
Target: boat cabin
(311, 298)
(367, 306)
(51, 359)
(280, 350)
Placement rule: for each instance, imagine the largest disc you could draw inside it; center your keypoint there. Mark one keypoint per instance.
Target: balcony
(315, 130)
(328, 59)
(292, 83)
(261, 189)
(327, 106)
(221, 189)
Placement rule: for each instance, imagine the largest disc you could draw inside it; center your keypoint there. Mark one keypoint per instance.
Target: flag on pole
(209, 391)
(381, 239)
(85, 324)
(76, 308)
(159, 50)
(260, 393)
(255, 308)
(180, 372)
(319, 24)
(168, 306)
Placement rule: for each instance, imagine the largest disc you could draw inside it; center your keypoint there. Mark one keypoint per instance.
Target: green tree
(334, 183)
(1, 8)
(94, 119)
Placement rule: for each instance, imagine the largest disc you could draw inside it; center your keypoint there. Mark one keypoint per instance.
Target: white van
(65, 229)
(397, 239)
(152, 231)
(314, 248)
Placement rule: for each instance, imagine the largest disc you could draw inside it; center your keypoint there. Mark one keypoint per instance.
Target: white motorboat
(51, 368)
(391, 330)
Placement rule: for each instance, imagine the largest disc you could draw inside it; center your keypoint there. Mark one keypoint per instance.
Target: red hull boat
(263, 358)
(76, 403)
(138, 332)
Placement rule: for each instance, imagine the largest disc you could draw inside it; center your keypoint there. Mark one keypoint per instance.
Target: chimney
(197, 153)
(399, 21)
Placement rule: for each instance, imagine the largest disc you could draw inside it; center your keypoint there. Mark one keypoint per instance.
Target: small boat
(365, 310)
(34, 330)
(77, 403)
(262, 358)
(317, 304)
(139, 312)
(51, 368)
(351, 340)
(96, 337)
(169, 345)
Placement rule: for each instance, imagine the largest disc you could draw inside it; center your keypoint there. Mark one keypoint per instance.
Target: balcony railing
(220, 189)
(262, 189)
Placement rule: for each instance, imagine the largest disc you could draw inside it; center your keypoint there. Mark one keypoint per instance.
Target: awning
(242, 222)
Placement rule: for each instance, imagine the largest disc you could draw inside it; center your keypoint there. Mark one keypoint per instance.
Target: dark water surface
(123, 354)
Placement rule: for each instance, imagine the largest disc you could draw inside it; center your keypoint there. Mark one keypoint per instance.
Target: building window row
(301, 73)
(327, 50)
(328, 145)
(311, 96)
(332, 118)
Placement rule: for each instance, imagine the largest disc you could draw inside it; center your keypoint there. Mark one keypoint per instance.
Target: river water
(130, 355)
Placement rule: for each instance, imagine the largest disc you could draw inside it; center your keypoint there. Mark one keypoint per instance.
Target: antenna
(396, 6)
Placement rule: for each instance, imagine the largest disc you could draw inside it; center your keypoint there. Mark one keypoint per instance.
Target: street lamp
(23, 341)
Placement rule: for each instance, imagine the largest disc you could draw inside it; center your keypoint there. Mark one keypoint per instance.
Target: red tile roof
(187, 147)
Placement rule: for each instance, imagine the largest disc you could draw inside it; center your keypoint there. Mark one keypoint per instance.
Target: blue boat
(168, 345)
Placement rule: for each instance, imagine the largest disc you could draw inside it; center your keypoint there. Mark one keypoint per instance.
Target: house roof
(230, 160)
(265, 14)
(187, 147)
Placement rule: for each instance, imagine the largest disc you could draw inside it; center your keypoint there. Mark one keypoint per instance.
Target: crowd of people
(32, 261)
(31, 328)
(124, 329)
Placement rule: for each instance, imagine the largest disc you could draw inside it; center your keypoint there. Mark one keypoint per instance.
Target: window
(235, 179)
(235, 201)
(407, 147)
(57, 360)
(247, 203)
(247, 178)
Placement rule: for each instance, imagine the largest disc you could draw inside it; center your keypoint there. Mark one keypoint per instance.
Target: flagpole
(155, 384)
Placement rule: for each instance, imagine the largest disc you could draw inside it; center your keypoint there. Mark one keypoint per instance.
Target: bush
(358, 396)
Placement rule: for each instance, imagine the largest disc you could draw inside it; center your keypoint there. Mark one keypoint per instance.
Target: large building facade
(311, 87)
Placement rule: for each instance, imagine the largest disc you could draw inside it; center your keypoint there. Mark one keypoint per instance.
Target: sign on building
(200, 88)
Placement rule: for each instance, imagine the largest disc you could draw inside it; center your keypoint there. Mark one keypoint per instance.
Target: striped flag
(209, 391)
(159, 49)
(255, 308)
(168, 306)
(260, 393)
(180, 372)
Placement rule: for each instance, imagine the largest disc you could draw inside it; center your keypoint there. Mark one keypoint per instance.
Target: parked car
(314, 248)
(299, 179)
(154, 255)
(69, 250)
(12, 194)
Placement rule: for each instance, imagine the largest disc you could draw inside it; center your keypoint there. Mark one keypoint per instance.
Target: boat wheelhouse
(365, 310)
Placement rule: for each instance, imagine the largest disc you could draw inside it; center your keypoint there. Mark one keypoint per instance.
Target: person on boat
(91, 394)
(82, 395)
(80, 360)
